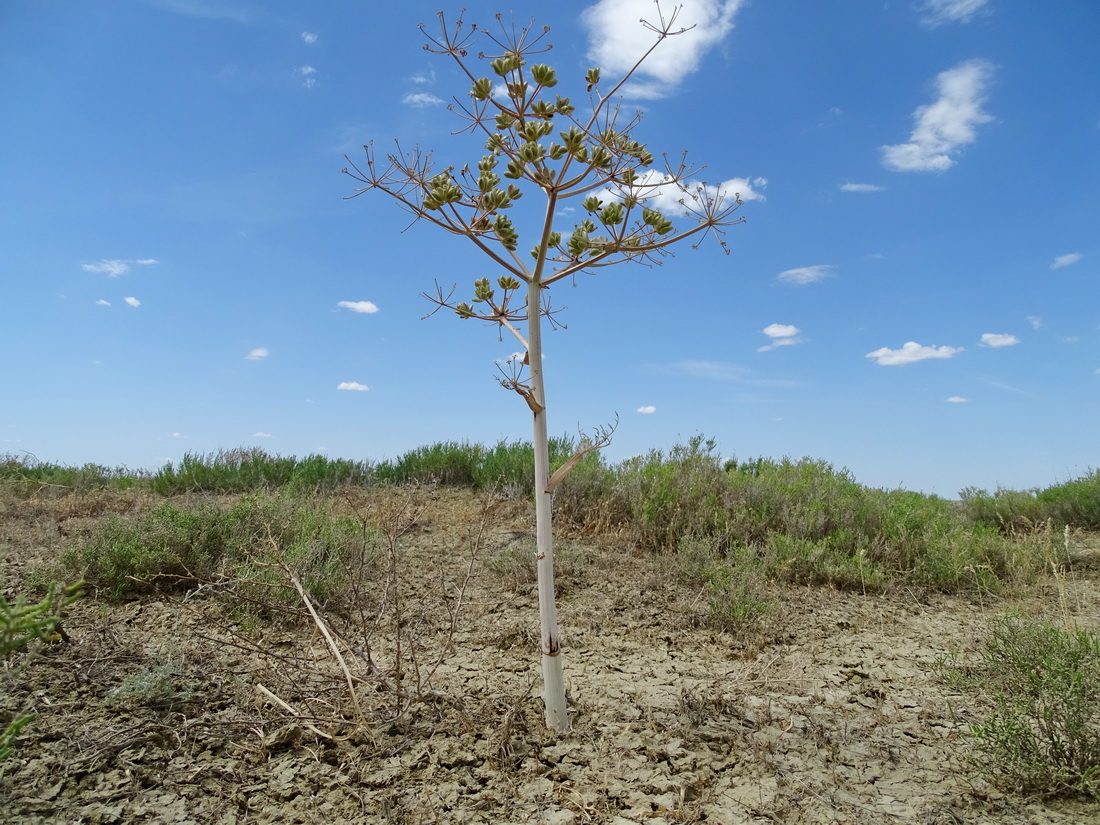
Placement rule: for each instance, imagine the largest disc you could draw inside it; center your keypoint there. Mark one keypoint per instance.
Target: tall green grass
(25, 475)
(507, 466)
(251, 469)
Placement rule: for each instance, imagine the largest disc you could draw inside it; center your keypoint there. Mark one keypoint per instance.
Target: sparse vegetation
(360, 606)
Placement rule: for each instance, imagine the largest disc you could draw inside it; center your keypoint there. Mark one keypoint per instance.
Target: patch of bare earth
(172, 708)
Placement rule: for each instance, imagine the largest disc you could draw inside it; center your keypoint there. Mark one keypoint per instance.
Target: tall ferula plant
(538, 143)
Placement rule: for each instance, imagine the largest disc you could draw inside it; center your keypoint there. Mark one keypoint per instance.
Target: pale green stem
(557, 715)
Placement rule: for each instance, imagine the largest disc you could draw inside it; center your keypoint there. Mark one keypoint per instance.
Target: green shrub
(255, 542)
(668, 498)
(1075, 503)
(1043, 735)
(167, 545)
(732, 582)
(273, 536)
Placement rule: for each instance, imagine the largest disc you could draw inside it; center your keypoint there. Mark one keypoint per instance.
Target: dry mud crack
(832, 712)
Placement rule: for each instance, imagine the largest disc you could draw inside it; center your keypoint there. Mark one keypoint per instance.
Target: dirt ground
(179, 708)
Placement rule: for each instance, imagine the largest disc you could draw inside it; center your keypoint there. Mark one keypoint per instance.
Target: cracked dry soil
(173, 709)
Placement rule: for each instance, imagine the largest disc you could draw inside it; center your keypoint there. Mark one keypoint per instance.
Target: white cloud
(911, 352)
(176, 435)
(309, 38)
(649, 409)
(358, 306)
(308, 75)
(804, 274)
(1063, 260)
(113, 267)
(352, 385)
(938, 12)
(1035, 321)
(998, 339)
(659, 193)
(957, 399)
(102, 303)
(860, 187)
(257, 354)
(782, 335)
(617, 39)
(424, 77)
(134, 302)
(261, 435)
(421, 100)
(946, 125)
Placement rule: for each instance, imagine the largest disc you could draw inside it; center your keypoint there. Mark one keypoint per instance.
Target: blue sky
(914, 295)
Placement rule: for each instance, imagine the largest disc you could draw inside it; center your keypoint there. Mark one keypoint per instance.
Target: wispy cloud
(937, 12)
(421, 100)
(617, 38)
(957, 399)
(781, 335)
(113, 267)
(945, 126)
(805, 274)
(649, 409)
(354, 386)
(714, 370)
(1035, 321)
(1005, 387)
(208, 10)
(358, 306)
(911, 352)
(102, 303)
(860, 187)
(1066, 260)
(998, 339)
(309, 38)
(134, 302)
(308, 75)
(261, 435)
(258, 354)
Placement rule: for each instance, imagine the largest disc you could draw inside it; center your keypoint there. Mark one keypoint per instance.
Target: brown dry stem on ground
(183, 707)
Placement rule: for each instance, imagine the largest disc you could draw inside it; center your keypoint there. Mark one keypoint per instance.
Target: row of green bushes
(801, 520)
(510, 466)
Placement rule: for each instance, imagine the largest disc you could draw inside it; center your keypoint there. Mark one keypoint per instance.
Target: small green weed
(1043, 735)
(22, 623)
(732, 584)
